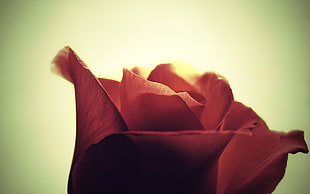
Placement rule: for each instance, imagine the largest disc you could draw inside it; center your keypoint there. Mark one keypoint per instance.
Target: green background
(261, 47)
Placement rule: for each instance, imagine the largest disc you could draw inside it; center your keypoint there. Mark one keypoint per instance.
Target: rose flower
(169, 134)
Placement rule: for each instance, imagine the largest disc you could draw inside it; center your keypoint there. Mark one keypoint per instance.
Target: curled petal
(148, 105)
(240, 117)
(294, 142)
(152, 162)
(258, 160)
(219, 97)
(96, 117)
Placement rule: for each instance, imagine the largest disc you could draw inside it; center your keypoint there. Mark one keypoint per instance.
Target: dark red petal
(239, 117)
(110, 166)
(152, 163)
(256, 163)
(112, 88)
(219, 97)
(148, 105)
(96, 117)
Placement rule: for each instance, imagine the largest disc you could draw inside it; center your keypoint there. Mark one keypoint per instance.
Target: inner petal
(147, 105)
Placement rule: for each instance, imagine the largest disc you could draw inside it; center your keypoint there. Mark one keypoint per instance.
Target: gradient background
(261, 47)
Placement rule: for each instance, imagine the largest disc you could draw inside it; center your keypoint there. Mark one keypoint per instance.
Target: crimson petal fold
(218, 94)
(240, 117)
(152, 162)
(96, 116)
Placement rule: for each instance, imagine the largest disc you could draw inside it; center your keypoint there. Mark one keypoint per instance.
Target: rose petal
(215, 91)
(112, 88)
(148, 105)
(165, 74)
(256, 163)
(240, 117)
(109, 166)
(143, 72)
(219, 98)
(154, 162)
(97, 117)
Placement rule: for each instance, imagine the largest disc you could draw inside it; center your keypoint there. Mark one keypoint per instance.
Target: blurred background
(261, 47)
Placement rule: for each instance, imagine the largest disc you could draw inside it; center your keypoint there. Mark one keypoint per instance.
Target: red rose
(168, 134)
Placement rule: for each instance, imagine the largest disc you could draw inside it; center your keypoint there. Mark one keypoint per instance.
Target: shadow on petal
(152, 162)
(112, 88)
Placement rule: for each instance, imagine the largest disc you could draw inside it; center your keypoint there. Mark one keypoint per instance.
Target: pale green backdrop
(262, 47)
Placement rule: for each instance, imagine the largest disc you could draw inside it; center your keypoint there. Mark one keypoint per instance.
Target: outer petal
(97, 117)
(256, 164)
(112, 88)
(240, 117)
(219, 98)
(148, 105)
(152, 162)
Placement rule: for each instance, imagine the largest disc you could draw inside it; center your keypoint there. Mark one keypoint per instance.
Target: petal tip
(296, 138)
(60, 62)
